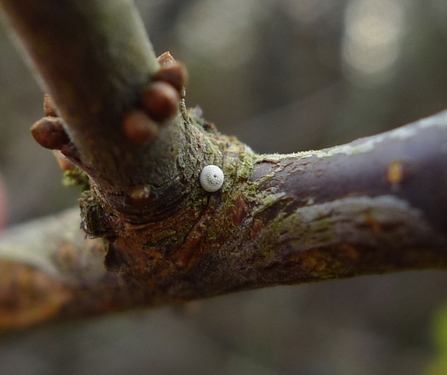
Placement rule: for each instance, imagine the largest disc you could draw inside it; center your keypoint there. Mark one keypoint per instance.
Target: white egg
(211, 178)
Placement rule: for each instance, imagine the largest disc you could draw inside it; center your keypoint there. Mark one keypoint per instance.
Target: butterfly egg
(211, 178)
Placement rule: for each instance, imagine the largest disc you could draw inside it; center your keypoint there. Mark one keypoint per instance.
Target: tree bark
(372, 206)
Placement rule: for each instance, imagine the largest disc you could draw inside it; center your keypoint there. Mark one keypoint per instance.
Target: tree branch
(372, 206)
(95, 60)
(49, 270)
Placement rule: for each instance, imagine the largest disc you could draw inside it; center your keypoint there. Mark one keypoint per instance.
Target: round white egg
(211, 178)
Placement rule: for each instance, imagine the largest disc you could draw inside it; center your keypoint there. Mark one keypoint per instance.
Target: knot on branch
(95, 221)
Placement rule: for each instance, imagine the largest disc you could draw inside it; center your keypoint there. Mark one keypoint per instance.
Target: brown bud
(138, 127)
(71, 152)
(50, 133)
(166, 59)
(139, 195)
(48, 106)
(64, 163)
(160, 101)
(175, 74)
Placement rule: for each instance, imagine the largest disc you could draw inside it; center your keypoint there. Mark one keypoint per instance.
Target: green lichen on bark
(76, 177)
(273, 219)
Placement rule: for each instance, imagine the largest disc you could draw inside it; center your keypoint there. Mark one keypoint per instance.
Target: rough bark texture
(50, 270)
(372, 206)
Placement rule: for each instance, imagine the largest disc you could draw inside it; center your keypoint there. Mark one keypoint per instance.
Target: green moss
(76, 177)
(439, 333)
(95, 221)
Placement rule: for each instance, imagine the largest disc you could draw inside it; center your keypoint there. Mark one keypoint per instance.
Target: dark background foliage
(284, 76)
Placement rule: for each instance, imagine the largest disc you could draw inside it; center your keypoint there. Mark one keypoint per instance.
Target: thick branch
(375, 205)
(345, 211)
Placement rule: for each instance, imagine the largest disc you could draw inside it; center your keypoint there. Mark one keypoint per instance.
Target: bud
(50, 133)
(166, 59)
(175, 74)
(48, 106)
(138, 127)
(160, 101)
(64, 163)
(139, 195)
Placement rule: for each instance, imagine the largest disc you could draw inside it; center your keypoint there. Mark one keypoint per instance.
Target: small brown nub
(395, 172)
(48, 106)
(139, 195)
(138, 127)
(166, 59)
(50, 133)
(175, 74)
(160, 101)
(64, 163)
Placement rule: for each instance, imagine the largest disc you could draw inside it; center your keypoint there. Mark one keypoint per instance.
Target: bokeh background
(284, 76)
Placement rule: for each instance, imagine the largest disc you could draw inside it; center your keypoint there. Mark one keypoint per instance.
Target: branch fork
(371, 206)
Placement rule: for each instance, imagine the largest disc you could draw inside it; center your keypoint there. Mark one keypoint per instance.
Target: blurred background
(283, 76)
